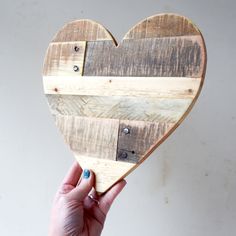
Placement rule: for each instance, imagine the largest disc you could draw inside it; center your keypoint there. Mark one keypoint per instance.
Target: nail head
(126, 130)
(76, 48)
(124, 155)
(76, 68)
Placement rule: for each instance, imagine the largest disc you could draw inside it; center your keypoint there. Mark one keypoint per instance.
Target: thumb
(84, 187)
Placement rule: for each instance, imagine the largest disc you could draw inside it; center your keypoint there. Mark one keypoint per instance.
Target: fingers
(107, 200)
(73, 175)
(85, 185)
(71, 179)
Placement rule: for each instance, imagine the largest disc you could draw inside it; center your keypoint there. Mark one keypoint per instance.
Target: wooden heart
(115, 103)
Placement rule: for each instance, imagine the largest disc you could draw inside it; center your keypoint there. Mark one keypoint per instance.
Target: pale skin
(73, 212)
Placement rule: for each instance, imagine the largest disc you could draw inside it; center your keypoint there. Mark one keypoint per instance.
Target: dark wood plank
(137, 137)
(162, 57)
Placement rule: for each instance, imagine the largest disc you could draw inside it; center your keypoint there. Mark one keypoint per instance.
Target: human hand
(74, 213)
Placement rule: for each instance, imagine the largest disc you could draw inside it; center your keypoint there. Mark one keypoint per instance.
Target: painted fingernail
(86, 174)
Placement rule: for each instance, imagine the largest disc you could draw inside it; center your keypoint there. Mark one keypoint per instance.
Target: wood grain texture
(89, 136)
(107, 172)
(132, 146)
(116, 107)
(82, 30)
(162, 25)
(163, 57)
(148, 82)
(155, 87)
(63, 57)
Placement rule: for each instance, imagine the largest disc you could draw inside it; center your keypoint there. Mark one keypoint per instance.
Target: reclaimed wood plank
(107, 172)
(90, 136)
(162, 25)
(65, 59)
(82, 30)
(156, 87)
(163, 57)
(116, 107)
(137, 137)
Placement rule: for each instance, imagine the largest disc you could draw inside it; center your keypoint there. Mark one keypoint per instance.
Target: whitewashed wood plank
(156, 87)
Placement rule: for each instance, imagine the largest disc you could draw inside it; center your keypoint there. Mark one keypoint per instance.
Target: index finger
(107, 199)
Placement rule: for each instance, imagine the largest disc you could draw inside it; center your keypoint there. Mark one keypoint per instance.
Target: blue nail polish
(86, 174)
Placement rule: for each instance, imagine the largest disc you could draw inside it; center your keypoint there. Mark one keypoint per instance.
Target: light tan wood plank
(63, 58)
(162, 25)
(115, 107)
(137, 137)
(90, 136)
(107, 172)
(82, 30)
(155, 87)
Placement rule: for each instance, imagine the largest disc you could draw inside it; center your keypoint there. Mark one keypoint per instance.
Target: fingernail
(86, 174)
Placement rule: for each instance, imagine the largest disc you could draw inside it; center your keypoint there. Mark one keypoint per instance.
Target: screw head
(124, 155)
(76, 68)
(126, 130)
(76, 48)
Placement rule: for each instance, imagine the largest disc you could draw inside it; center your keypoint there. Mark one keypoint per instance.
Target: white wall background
(186, 188)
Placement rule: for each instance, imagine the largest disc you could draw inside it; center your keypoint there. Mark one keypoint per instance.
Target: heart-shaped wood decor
(115, 103)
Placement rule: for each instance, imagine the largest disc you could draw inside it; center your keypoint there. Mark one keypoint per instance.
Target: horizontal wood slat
(124, 108)
(89, 136)
(82, 30)
(163, 57)
(156, 87)
(163, 25)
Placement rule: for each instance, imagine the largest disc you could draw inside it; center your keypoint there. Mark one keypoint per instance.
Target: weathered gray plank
(163, 57)
(137, 137)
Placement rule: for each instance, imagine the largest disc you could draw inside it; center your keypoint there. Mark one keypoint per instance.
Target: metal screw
(124, 155)
(76, 68)
(126, 130)
(76, 48)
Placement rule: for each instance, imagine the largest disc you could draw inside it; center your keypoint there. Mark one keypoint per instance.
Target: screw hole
(133, 152)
